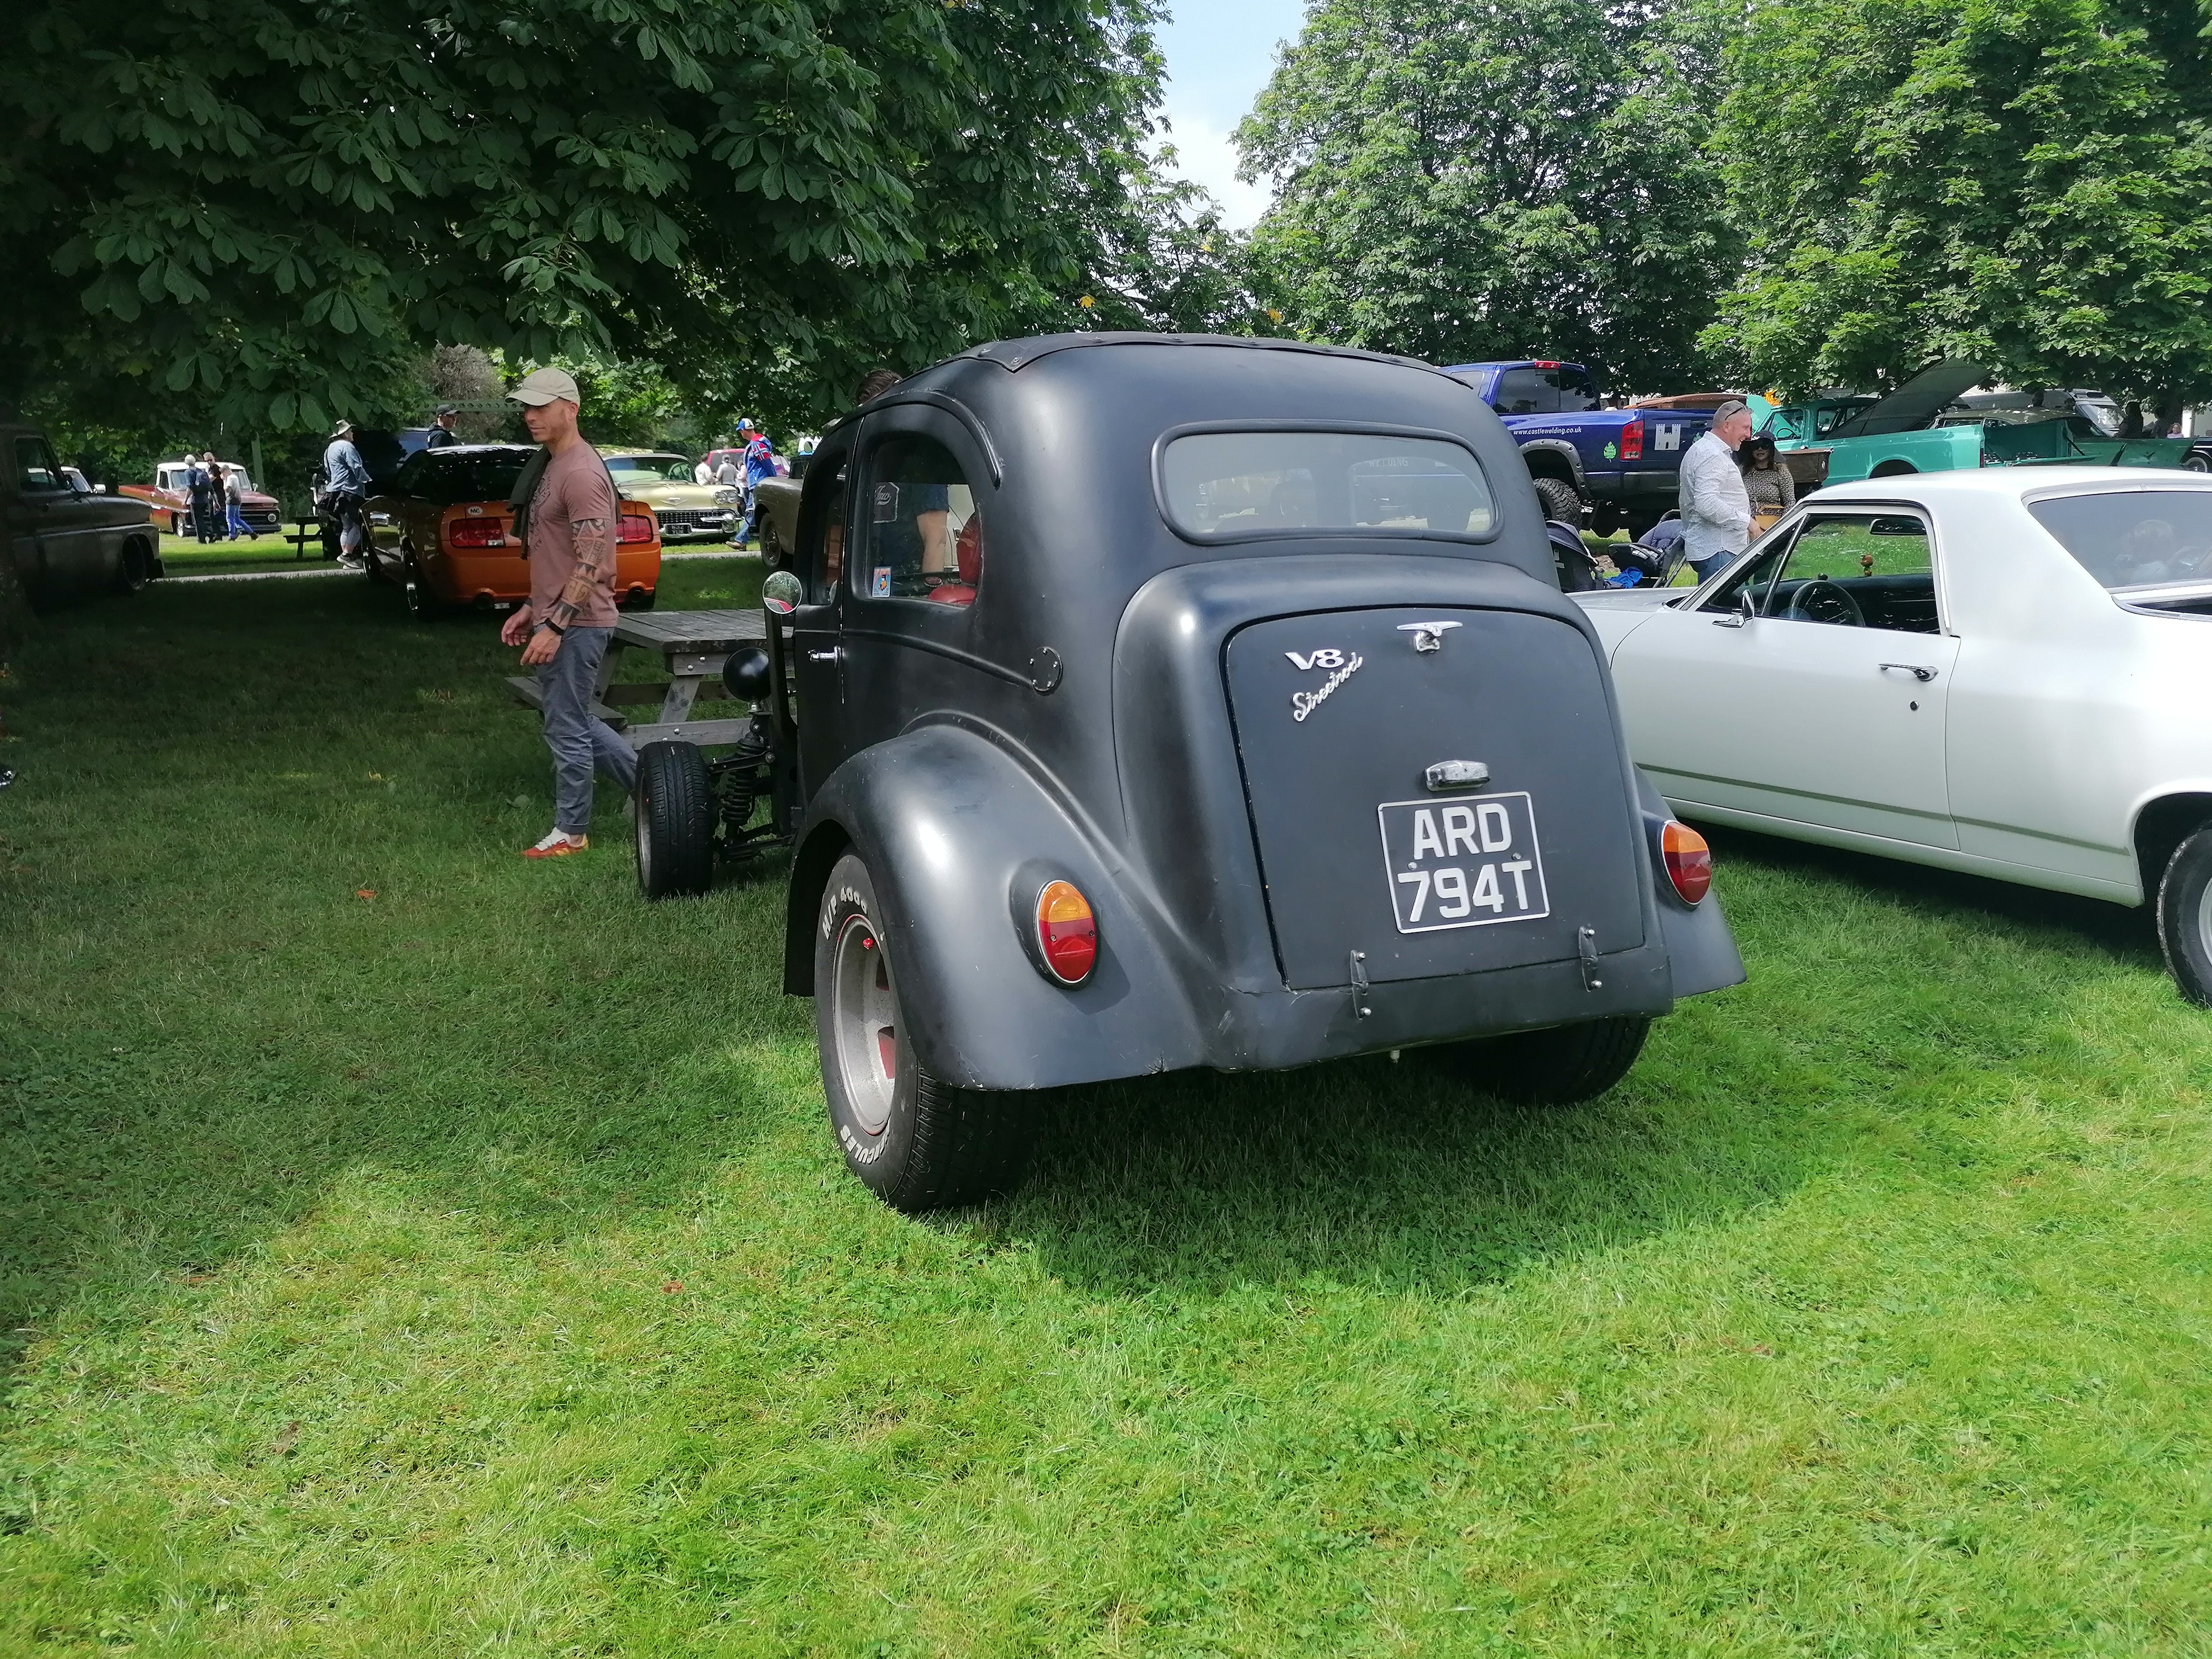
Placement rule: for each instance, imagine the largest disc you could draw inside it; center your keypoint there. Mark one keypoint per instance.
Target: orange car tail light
(636, 527)
(1066, 932)
(476, 532)
(1689, 861)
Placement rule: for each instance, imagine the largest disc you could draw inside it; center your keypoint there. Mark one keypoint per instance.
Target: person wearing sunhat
(441, 431)
(345, 495)
(566, 514)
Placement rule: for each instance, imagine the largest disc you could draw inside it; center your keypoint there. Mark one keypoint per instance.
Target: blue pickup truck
(1618, 462)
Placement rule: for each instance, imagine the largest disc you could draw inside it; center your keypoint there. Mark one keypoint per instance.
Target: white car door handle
(1923, 675)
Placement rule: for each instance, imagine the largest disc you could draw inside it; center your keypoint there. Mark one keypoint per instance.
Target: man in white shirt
(1715, 505)
(702, 474)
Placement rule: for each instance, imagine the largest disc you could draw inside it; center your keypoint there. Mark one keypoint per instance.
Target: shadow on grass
(1400, 1175)
(2114, 931)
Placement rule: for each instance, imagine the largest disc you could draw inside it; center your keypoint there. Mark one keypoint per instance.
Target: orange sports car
(440, 530)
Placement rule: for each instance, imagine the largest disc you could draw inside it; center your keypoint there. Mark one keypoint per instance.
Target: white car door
(1820, 702)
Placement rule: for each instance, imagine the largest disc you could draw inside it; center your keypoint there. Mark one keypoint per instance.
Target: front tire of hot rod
(917, 1142)
(1562, 1065)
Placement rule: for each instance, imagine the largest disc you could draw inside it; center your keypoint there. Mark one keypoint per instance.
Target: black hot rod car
(1138, 703)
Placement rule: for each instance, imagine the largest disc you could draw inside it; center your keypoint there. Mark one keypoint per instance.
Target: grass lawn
(184, 555)
(408, 1250)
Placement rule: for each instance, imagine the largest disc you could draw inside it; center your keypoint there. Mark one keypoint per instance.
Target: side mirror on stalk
(781, 594)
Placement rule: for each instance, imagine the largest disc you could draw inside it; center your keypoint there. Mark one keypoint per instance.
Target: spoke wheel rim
(865, 1017)
(2204, 919)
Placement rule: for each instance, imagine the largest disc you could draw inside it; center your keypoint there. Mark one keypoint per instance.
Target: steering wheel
(1823, 601)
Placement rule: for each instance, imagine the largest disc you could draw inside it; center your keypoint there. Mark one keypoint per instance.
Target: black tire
(1562, 502)
(2184, 917)
(135, 568)
(914, 1141)
(773, 557)
(672, 815)
(1562, 1065)
(2198, 460)
(1894, 470)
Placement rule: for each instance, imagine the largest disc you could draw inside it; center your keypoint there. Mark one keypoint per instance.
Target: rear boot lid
(1440, 790)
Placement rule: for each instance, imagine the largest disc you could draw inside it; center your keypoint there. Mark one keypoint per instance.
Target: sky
(1220, 54)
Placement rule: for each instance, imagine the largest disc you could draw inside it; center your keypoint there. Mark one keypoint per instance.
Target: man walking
(345, 495)
(441, 435)
(567, 517)
(1715, 505)
(208, 498)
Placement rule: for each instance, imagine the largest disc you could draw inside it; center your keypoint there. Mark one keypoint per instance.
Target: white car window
(1873, 569)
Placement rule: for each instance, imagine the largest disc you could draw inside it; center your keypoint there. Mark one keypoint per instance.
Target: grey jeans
(581, 741)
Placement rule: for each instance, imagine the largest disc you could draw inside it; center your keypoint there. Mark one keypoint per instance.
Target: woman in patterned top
(1766, 480)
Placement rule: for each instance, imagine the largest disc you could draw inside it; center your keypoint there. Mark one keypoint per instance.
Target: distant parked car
(67, 543)
(440, 530)
(1921, 428)
(2003, 671)
(172, 505)
(686, 511)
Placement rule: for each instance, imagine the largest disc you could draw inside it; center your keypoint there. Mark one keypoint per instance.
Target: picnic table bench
(693, 643)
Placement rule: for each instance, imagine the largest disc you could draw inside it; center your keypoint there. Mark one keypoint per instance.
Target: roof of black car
(1020, 354)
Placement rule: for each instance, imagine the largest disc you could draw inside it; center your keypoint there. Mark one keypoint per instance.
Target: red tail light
(1689, 861)
(1631, 440)
(476, 532)
(1067, 934)
(636, 527)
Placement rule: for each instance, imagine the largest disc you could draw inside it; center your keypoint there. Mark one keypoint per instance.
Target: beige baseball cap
(546, 386)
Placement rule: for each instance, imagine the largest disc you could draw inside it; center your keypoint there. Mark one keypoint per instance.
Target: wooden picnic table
(693, 643)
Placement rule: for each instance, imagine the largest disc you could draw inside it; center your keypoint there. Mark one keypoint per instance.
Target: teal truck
(1921, 428)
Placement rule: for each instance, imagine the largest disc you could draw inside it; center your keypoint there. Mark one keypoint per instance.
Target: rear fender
(949, 825)
(1701, 951)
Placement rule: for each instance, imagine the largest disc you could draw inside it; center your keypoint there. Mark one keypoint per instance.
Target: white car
(2007, 672)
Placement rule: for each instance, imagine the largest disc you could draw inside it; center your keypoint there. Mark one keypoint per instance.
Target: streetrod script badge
(1341, 665)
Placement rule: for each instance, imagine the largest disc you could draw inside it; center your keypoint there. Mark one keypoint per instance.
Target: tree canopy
(2024, 182)
(268, 211)
(1469, 179)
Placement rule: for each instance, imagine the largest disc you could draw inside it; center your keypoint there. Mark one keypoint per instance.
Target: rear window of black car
(447, 479)
(2130, 539)
(1224, 486)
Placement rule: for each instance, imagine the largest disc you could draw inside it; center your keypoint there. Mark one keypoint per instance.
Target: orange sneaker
(558, 845)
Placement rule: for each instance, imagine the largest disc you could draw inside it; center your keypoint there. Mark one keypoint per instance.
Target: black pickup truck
(1618, 462)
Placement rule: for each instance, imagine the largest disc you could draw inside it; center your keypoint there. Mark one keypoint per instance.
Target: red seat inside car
(967, 552)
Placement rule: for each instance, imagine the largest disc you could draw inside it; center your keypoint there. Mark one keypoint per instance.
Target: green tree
(1471, 178)
(2024, 182)
(267, 212)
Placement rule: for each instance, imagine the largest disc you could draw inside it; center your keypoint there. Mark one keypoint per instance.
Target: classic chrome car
(2001, 671)
(687, 510)
(65, 542)
(1146, 702)
(440, 528)
(173, 506)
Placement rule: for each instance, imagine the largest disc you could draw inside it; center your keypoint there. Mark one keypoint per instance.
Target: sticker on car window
(886, 503)
(880, 587)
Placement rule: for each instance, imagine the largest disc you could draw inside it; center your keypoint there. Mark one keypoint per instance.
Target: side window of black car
(920, 535)
(825, 565)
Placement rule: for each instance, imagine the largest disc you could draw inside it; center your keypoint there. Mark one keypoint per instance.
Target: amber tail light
(1689, 861)
(1066, 932)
